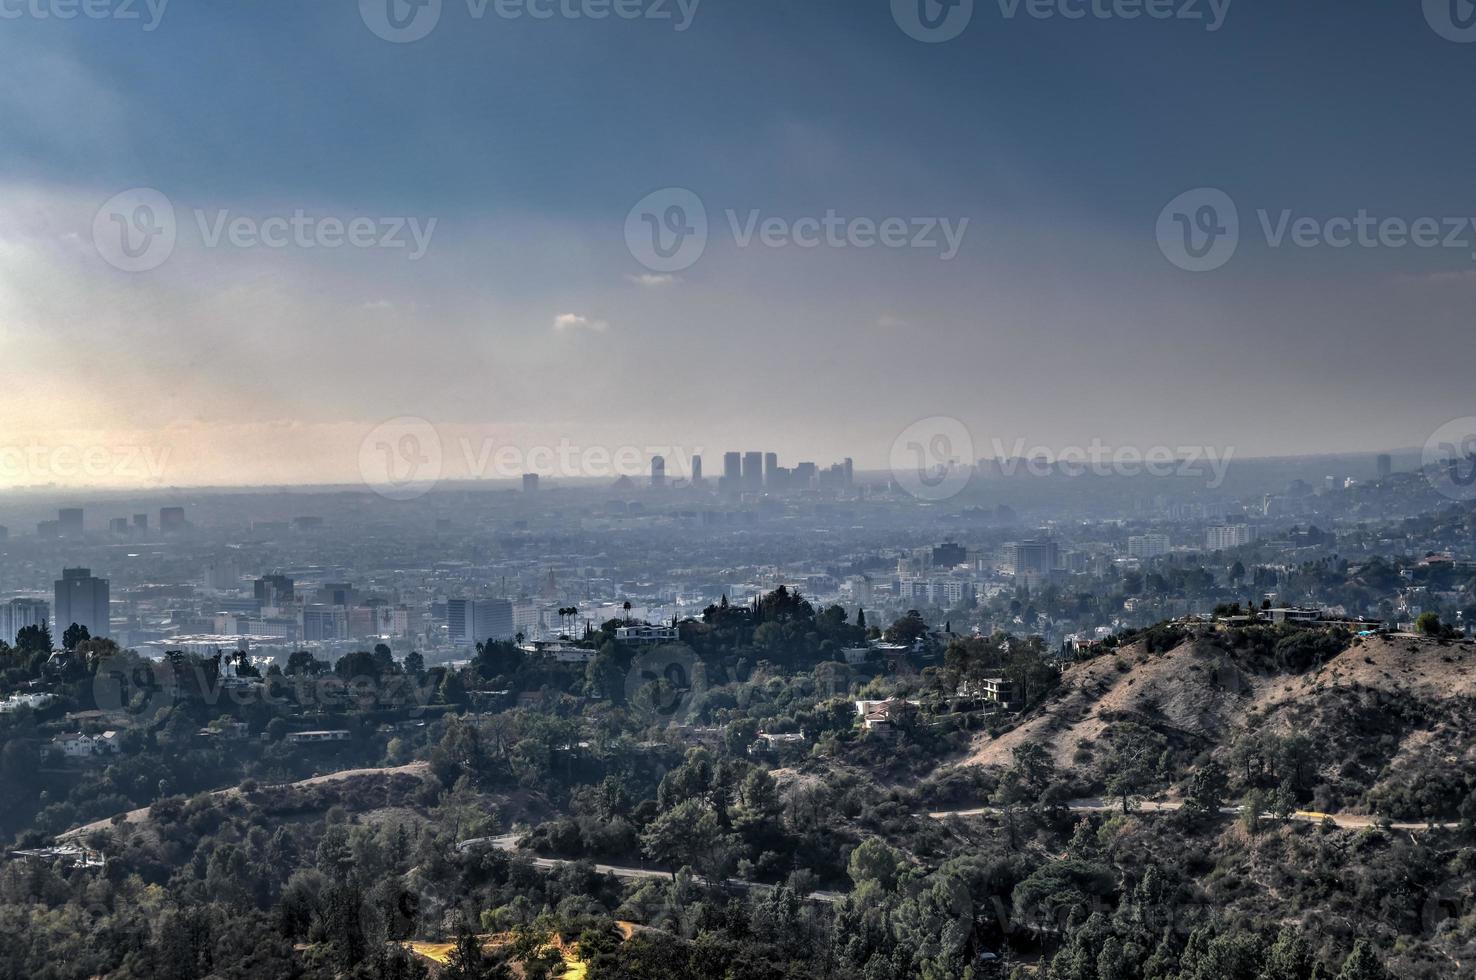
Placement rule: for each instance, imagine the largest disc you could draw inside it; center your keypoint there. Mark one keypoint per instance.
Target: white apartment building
(1148, 545)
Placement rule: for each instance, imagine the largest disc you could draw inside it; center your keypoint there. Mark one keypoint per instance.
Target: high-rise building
(948, 554)
(471, 621)
(17, 614)
(69, 522)
(753, 471)
(81, 599)
(273, 590)
(804, 476)
(530, 482)
(118, 525)
(1223, 536)
(696, 471)
(1386, 466)
(141, 522)
(171, 520)
(658, 471)
(1035, 558)
(324, 622)
(771, 470)
(733, 469)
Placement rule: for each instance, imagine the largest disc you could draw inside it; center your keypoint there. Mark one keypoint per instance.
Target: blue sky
(528, 142)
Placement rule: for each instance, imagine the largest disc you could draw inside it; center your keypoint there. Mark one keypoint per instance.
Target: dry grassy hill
(1391, 719)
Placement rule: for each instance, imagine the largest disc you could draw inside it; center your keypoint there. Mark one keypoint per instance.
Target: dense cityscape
(737, 490)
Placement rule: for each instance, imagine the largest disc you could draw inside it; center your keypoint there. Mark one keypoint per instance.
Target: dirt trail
(1347, 821)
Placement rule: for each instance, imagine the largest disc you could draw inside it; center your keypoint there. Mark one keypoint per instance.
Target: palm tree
(627, 610)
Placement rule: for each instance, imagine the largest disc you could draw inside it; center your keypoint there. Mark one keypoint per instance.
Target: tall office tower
(141, 522)
(471, 621)
(732, 469)
(17, 614)
(948, 554)
(753, 471)
(324, 622)
(804, 475)
(658, 471)
(530, 482)
(850, 470)
(771, 470)
(696, 471)
(83, 600)
(69, 522)
(336, 594)
(273, 590)
(494, 619)
(118, 525)
(1037, 557)
(171, 520)
(1386, 466)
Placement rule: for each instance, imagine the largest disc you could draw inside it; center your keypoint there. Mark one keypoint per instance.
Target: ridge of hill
(1390, 721)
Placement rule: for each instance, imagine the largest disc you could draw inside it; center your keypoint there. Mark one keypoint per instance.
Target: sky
(180, 303)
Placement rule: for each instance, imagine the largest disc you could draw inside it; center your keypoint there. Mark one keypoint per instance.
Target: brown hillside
(1392, 719)
(1196, 688)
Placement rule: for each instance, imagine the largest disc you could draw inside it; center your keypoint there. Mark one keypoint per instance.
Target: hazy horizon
(502, 162)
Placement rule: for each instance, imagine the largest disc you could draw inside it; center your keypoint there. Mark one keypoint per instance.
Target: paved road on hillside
(509, 842)
(1347, 821)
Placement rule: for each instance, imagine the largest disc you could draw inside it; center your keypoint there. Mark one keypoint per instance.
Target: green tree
(1206, 791)
(1132, 764)
(74, 635)
(1288, 958)
(466, 962)
(1362, 964)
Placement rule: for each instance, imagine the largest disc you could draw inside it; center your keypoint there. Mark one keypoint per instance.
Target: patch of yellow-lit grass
(574, 967)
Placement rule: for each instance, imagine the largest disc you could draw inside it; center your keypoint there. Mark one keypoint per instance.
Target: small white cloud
(652, 280)
(573, 321)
